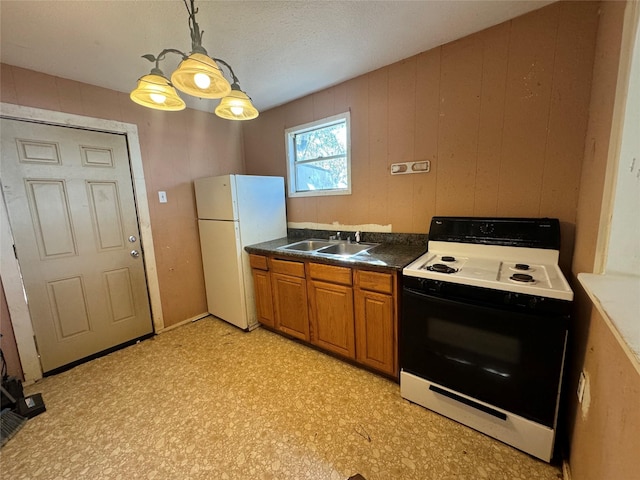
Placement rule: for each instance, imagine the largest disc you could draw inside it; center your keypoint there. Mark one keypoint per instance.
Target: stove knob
(487, 228)
(432, 286)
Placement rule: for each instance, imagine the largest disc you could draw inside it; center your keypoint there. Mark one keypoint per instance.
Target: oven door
(509, 359)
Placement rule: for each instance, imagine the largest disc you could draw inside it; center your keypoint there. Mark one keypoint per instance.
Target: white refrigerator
(235, 211)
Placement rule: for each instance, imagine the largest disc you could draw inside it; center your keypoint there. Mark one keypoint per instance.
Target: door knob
(135, 253)
(132, 238)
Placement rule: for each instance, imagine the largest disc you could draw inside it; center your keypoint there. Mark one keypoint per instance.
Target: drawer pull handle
(466, 401)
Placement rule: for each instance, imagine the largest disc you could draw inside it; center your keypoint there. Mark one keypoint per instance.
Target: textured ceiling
(280, 50)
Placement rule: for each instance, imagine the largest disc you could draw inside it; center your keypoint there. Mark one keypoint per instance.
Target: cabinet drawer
(258, 261)
(287, 267)
(330, 273)
(375, 281)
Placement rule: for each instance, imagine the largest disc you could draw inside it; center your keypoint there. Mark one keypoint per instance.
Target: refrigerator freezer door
(223, 272)
(216, 198)
(261, 208)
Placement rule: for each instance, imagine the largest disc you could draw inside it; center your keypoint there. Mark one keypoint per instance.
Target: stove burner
(522, 277)
(448, 258)
(521, 266)
(441, 268)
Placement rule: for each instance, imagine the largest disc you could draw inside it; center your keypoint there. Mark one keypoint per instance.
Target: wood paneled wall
(176, 147)
(501, 115)
(603, 430)
(604, 439)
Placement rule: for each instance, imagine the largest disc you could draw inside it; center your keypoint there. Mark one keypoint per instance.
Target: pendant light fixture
(198, 75)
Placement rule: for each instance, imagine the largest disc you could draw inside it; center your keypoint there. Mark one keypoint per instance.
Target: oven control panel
(515, 232)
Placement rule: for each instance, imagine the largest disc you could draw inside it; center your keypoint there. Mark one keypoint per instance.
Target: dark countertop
(386, 256)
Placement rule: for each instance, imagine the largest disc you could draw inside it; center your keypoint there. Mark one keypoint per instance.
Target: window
(319, 157)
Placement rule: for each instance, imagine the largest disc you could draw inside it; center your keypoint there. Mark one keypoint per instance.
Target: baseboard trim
(184, 322)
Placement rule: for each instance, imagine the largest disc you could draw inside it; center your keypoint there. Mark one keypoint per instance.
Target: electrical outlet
(410, 167)
(582, 381)
(162, 197)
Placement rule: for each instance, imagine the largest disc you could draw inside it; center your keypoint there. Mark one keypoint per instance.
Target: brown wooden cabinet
(290, 298)
(331, 309)
(375, 320)
(350, 312)
(262, 290)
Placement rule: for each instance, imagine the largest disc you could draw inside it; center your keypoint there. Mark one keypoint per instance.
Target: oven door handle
(469, 402)
(449, 301)
(475, 303)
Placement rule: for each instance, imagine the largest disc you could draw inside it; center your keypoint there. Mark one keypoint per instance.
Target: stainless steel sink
(337, 248)
(346, 249)
(307, 245)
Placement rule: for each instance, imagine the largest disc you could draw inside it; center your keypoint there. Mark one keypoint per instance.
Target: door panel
(263, 296)
(375, 330)
(291, 305)
(49, 205)
(68, 307)
(31, 151)
(105, 214)
(120, 294)
(71, 208)
(332, 317)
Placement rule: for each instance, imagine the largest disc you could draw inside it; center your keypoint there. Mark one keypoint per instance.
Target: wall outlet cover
(581, 385)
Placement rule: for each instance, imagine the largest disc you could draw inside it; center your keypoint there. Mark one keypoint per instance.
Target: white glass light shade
(184, 78)
(155, 91)
(236, 106)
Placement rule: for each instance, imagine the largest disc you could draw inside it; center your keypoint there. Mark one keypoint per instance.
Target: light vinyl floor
(208, 401)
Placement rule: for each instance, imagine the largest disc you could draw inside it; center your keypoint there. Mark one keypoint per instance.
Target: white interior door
(71, 208)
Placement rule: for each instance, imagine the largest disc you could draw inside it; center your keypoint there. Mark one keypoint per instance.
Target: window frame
(289, 137)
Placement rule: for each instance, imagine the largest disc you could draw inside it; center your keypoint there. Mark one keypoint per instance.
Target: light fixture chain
(196, 33)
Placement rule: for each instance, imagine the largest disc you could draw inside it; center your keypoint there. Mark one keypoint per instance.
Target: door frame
(18, 309)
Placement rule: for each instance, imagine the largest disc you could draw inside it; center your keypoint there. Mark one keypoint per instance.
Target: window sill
(617, 298)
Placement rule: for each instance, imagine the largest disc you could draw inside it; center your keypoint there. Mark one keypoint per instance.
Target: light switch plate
(162, 197)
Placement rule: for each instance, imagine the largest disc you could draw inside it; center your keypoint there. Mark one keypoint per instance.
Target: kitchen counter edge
(386, 256)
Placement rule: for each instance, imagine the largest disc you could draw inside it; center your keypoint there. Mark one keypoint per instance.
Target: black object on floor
(10, 423)
(30, 406)
(357, 476)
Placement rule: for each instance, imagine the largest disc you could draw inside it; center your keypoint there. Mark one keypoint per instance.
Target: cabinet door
(290, 302)
(332, 317)
(264, 300)
(375, 330)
